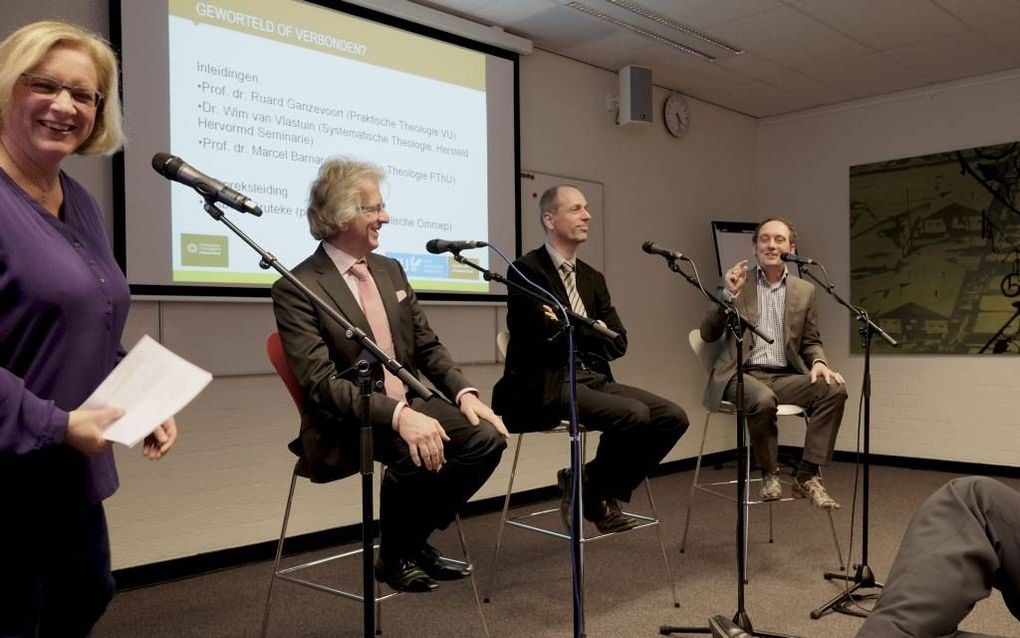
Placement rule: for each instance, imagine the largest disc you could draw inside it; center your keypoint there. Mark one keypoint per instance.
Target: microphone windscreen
(166, 164)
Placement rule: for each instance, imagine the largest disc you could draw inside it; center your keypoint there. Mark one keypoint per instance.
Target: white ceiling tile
(1004, 36)
(800, 53)
(882, 24)
(609, 52)
(810, 88)
(787, 36)
(557, 27)
(705, 13)
(757, 99)
(960, 56)
(982, 13)
(873, 74)
(753, 66)
(456, 5)
(504, 13)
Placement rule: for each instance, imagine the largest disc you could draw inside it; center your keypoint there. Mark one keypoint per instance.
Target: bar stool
(706, 353)
(524, 521)
(274, 348)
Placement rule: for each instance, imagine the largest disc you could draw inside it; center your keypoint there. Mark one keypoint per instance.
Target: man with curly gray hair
(436, 455)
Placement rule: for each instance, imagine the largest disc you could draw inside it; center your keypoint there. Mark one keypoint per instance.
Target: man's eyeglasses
(377, 208)
(51, 88)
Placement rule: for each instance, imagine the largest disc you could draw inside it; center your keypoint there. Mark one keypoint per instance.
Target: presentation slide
(260, 93)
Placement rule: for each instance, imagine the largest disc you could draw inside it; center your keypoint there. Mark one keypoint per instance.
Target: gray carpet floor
(626, 590)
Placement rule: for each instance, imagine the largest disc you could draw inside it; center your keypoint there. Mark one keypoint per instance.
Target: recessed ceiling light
(595, 13)
(658, 18)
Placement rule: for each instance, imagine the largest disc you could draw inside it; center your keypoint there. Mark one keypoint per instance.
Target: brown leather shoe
(404, 574)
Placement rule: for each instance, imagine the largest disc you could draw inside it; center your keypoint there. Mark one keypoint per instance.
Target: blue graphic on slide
(417, 265)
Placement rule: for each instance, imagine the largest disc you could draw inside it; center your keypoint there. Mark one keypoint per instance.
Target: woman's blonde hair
(26, 47)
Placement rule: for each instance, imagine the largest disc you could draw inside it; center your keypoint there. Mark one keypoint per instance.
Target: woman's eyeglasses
(51, 88)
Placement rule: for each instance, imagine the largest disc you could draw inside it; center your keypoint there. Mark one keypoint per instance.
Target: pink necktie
(372, 305)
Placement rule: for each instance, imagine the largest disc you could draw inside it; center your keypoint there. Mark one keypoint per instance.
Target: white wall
(960, 408)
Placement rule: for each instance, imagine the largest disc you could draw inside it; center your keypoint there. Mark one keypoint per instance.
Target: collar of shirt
(342, 260)
(763, 281)
(558, 259)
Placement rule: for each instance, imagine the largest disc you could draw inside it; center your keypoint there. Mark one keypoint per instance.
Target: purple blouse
(63, 303)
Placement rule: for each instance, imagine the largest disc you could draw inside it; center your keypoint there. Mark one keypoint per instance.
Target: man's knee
(676, 417)
(486, 441)
(837, 392)
(761, 400)
(636, 414)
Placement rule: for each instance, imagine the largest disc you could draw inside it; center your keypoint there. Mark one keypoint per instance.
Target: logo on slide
(434, 266)
(208, 251)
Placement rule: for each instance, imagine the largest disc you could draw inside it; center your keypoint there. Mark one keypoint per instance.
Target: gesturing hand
(736, 276)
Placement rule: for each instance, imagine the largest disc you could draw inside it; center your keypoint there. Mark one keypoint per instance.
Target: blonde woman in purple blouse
(63, 303)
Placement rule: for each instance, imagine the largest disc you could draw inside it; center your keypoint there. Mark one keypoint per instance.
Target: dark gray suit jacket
(320, 357)
(801, 340)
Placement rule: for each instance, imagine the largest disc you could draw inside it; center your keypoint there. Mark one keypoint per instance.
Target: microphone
(213, 190)
(797, 259)
(652, 248)
(438, 246)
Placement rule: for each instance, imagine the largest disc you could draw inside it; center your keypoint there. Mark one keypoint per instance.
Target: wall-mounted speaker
(635, 95)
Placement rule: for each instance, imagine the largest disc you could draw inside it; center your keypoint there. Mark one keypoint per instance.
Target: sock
(805, 470)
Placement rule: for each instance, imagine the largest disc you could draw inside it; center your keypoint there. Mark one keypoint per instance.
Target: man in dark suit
(436, 455)
(638, 428)
(786, 371)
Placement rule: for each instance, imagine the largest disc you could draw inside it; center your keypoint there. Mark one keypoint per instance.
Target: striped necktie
(576, 305)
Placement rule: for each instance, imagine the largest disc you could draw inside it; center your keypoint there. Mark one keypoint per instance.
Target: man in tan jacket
(793, 369)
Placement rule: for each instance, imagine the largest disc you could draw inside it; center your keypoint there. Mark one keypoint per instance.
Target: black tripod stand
(371, 356)
(735, 326)
(863, 577)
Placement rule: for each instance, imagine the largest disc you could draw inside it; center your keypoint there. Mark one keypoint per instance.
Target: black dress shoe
(439, 567)
(608, 517)
(405, 575)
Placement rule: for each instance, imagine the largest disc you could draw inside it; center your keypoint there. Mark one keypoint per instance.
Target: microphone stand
(863, 576)
(735, 325)
(371, 356)
(576, 462)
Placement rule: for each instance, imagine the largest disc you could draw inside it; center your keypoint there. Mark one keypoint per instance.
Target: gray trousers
(963, 541)
(764, 391)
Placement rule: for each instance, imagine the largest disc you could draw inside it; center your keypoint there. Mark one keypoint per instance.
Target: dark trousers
(638, 430)
(963, 541)
(764, 391)
(414, 501)
(55, 579)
